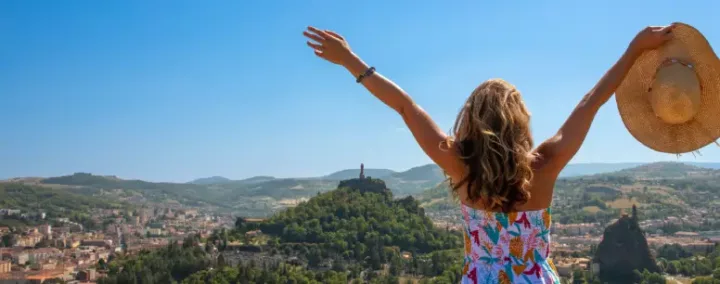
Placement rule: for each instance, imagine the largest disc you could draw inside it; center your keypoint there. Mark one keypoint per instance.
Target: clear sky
(175, 90)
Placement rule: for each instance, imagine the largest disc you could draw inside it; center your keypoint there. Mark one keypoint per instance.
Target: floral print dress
(507, 247)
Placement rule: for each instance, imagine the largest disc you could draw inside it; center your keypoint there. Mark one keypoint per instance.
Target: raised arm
(333, 47)
(558, 150)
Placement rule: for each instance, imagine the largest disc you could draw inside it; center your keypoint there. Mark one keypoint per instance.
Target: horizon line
(321, 176)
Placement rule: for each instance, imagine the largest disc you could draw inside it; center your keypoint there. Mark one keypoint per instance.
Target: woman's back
(507, 247)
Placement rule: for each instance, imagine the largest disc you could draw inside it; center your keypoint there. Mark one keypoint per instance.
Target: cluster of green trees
(674, 260)
(271, 273)
(285, 273)
(645, 277)
(167, 265)
(355, 224)
(360, 227)
(672, 252)
(189, 264)
(649, 278)
(694, 266)
(595, 201)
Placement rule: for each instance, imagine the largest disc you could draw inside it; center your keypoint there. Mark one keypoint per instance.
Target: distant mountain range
(403, 183)
(432, 172)
(211, 180)
(261, 195)
(574, 170)
(668, 170)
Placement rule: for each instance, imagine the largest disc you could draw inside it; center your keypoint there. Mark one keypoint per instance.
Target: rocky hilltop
(365, 185)
(623, 250)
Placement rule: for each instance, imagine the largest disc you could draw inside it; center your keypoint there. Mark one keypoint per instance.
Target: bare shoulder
(453, 167)
(543, 183)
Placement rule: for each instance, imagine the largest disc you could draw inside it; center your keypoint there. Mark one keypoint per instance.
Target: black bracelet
(367, 73)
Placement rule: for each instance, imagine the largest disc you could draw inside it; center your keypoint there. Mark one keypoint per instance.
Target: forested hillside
(361, 225)
(53, 202)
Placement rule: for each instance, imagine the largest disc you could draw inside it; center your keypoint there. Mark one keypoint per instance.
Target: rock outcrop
(623, 250)
(366, 184)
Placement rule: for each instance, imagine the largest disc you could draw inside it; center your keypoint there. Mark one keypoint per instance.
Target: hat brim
(632, 97)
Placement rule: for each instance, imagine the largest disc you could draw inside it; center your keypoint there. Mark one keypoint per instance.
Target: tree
(102, 264)
(339, 265)
(8, 240)
(221, 260)
(705, 280)
(672, 268)
(239, 222)
(172, 262)
(650, 278)
(578, 277)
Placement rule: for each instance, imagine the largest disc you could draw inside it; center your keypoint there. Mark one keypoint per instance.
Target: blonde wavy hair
(492, 136)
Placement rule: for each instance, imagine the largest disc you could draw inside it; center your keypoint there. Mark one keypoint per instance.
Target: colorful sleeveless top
(507, 247)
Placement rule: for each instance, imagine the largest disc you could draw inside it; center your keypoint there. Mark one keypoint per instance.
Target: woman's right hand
(651, 38)
(329, 45)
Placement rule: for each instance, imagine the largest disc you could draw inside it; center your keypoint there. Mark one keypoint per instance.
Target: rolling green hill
(664, 170)
(359, 222)
(223, 180)
(427, 172)
(53, 201)
(255, 179)
(439, 191)
(89, 184)
(660, 189)
(278, 188)
(438, 199)
(211, 180)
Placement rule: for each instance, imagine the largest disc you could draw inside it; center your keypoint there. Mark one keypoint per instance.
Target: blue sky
(174, 90)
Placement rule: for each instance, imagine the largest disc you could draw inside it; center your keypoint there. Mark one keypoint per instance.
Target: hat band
(669, 61)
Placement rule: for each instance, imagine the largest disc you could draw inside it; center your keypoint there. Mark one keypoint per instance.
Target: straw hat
(670, 99)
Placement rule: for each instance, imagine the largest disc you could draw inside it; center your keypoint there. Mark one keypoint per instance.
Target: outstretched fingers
(327, 44)
(314, 37)
(315, 46)
(320, 33)
(320, 37)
